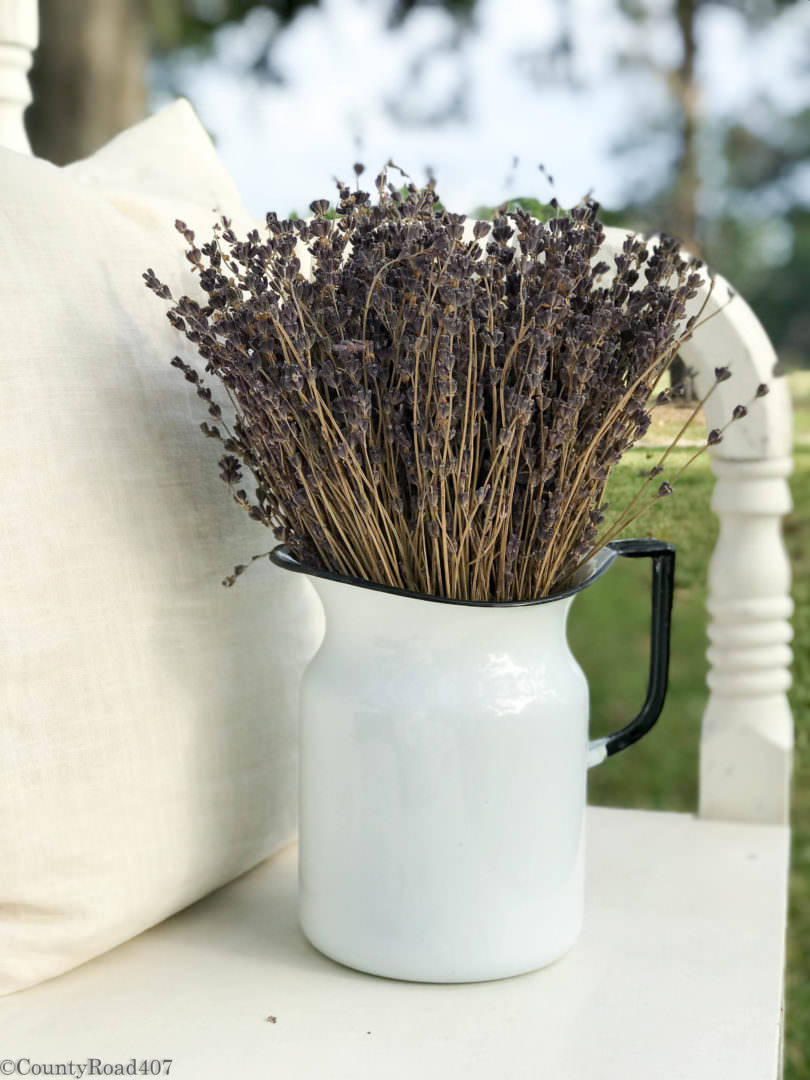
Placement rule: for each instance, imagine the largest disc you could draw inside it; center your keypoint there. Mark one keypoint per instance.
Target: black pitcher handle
(663, 582)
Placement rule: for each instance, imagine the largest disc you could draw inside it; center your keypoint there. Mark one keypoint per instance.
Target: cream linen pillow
(147, 714)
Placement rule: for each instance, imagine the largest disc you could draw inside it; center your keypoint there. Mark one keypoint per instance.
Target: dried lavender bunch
(425, 408)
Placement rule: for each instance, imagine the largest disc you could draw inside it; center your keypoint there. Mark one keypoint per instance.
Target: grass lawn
(609, 625)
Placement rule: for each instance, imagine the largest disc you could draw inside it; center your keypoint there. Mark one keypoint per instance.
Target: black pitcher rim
(282, 556)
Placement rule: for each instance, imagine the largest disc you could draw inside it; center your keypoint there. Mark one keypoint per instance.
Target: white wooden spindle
(747, 736)
(19, 32)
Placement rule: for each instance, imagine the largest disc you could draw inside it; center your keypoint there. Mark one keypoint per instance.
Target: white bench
(679, 972)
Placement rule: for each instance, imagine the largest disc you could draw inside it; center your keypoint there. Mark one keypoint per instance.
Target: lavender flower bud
(229, 469)
(415, 383)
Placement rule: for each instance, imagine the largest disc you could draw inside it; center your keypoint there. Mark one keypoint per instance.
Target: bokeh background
(688, 115)
(683, 114)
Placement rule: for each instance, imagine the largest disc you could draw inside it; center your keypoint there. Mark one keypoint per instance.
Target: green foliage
(543, 211)
(797, 537)
(178, 24)
(609, 635)
(777, 292)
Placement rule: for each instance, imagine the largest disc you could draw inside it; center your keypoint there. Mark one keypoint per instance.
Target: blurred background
(684, 114)
(688, 115)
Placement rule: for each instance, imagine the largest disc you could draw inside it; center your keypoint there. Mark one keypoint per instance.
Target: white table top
(677, 976)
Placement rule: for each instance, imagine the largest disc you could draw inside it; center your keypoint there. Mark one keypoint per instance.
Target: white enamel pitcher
(443, 757)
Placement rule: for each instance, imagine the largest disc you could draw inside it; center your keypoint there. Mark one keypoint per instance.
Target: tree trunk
(686, 91)
(89, 76)
(684, 212)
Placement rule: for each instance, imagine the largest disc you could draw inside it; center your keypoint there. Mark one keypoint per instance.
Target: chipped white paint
(19, 27)
(597, 752)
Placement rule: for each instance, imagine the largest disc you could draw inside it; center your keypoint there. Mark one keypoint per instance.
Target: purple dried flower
(229, 469)
(423, 411)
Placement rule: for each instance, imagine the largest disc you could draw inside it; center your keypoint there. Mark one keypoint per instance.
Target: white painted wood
(19, 33)
(678, 975)
(747, 736)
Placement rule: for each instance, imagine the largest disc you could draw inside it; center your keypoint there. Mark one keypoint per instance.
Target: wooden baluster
(19, 32)
(747, 741)
(747, 737)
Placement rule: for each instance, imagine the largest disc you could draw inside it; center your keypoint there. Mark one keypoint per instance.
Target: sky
(352, 91)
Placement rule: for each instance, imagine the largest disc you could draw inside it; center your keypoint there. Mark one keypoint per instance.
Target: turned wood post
(747, 735)
(19, 29)
(747, 738)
